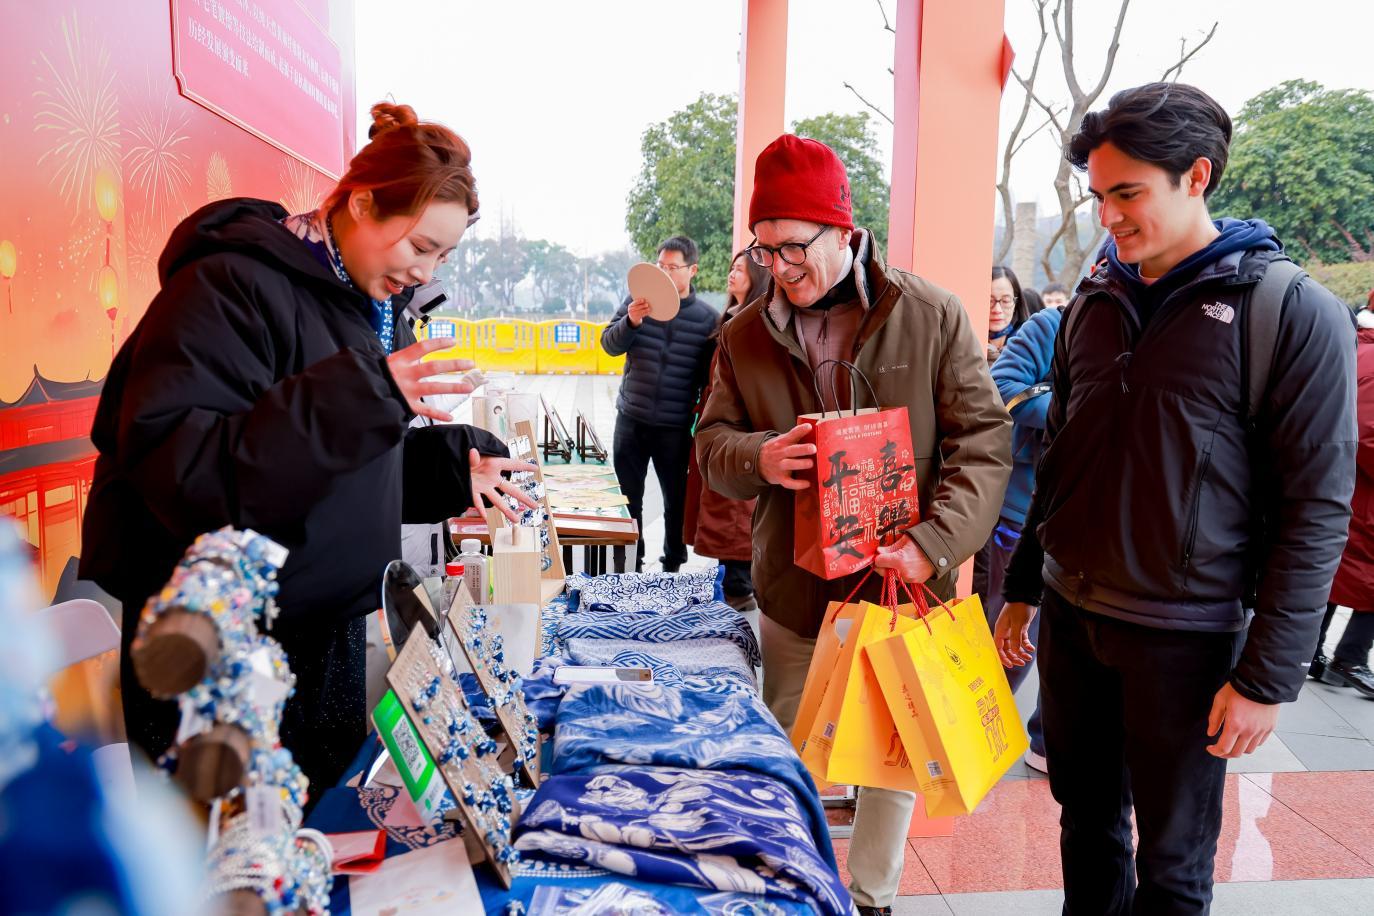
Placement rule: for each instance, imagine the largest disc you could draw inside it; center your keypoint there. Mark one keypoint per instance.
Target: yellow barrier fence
(568, 347)
(459, 329)
(563, 347)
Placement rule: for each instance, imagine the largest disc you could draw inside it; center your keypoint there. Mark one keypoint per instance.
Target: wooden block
(213, 762)
(175, 652)
(515, 566)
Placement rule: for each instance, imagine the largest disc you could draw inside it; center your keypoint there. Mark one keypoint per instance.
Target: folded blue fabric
(713, 620)
(542, 695)
(688, 656)
(728, 830)
(662, 726)
(647, 592)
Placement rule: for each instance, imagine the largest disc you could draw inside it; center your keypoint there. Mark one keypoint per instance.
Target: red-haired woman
(269, 386)
(717, 526)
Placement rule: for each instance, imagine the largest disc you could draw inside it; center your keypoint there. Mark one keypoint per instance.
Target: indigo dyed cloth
(663, 726)
(660, 593)
(714, 620)
(688, 657)
(727, 830)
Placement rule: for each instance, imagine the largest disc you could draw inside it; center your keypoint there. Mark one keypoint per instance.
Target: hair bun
(385, 116)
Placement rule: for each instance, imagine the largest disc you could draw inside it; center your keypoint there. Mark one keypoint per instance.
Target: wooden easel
(556, 438)
(588, 442)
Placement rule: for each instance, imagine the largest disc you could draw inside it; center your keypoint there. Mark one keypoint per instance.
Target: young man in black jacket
(659, 395)
(1157, 499)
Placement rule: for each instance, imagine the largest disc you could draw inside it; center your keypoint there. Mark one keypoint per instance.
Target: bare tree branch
(1064, 220)
(1027, 137)
(1053, 116)
(1013, 146)
(885, 115)
(1111, 50)
(882, 12)
(1185, 55)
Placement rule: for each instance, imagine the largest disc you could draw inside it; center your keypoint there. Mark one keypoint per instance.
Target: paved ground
(1299, 824)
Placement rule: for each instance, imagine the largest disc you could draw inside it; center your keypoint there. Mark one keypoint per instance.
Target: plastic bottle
(475, 575)
(453, 580)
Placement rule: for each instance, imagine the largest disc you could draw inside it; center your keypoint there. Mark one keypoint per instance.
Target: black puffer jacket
(1147, 489)
(663, 369)
(255, 393)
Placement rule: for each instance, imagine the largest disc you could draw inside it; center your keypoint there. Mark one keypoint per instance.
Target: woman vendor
(269, 386)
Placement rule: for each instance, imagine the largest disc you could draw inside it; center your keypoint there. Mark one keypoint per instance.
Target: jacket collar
(1235, 267)
(866, 258)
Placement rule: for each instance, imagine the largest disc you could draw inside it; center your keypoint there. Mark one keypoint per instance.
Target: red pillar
(762, 92)
(948, 81)
(944, 154)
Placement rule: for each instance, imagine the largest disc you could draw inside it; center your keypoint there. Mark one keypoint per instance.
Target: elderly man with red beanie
(832, 297)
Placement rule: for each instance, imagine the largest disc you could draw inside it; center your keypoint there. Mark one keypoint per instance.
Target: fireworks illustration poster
(117, 121)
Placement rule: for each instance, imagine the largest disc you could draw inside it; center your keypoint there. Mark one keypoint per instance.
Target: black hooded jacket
(255, 393)
(1150, 487)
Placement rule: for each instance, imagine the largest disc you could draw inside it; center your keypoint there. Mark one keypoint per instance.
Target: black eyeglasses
(793, 253)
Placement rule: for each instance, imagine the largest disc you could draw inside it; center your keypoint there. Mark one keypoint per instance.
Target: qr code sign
(934, 769)
(411, 756)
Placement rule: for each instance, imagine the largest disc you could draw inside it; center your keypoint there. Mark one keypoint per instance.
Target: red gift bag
(863, 484)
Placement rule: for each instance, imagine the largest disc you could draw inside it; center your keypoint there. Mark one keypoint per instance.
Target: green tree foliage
(556, 271)
(852, 139)
(1303, 161)
(686, 185)
(502, 263)
(1351, 282)
(460, 278)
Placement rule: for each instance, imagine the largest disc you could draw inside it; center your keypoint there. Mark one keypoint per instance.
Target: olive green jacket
(918, 350)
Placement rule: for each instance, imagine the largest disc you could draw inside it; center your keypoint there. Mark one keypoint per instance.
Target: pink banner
(267, 66)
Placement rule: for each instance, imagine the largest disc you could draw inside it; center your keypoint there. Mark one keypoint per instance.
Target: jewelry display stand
(228, 749)
(552, 572)
(485, 653)
(466, 757)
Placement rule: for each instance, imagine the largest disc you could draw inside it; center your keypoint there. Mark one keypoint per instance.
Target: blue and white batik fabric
(659, 593)
(730, 830)
(725, 680)
(661, 726)
(688, 656)
(714, 620)
(549, 619)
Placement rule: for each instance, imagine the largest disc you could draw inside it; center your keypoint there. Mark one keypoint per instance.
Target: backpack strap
(1259, 337)
(1260, 332)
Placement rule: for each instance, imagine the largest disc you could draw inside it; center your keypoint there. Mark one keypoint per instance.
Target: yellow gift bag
(949, 698)
(844, 731)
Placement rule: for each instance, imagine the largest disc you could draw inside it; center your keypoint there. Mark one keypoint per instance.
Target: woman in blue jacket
(1022, 374)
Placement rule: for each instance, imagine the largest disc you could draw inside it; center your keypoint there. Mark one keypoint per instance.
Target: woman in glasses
(717, 526)
(269, 386)
(1007, 311)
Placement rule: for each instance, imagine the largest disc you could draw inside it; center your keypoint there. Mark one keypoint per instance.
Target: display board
(484, 796)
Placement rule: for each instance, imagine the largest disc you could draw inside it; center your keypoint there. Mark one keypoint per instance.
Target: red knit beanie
(800, 179)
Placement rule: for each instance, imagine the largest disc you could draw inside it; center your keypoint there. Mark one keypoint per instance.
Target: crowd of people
(1157, 513)
(1141, 487)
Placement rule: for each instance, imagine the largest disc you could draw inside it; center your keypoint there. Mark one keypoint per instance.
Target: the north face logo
(1223, 313)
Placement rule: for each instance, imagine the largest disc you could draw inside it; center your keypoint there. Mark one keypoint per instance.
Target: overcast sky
(553, 96)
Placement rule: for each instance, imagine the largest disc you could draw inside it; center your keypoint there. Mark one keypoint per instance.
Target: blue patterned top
(307, 228)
